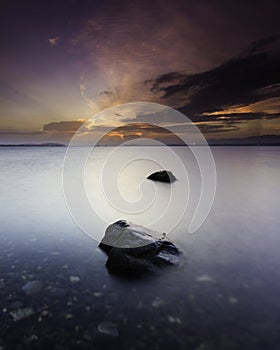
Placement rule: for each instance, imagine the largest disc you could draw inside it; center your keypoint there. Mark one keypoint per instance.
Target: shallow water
(226, 296)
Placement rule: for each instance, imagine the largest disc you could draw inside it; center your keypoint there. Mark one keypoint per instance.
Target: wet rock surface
(134, 249)
(162, 176)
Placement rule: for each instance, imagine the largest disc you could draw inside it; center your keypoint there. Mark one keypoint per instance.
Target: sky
(64, 61)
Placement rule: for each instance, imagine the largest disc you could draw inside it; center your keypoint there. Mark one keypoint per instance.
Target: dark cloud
(234, 117)
(32, 133)
(63, 126)
(217, 128)
(148, 131)
(136, 131)
(246, 79)
(262, 43)
(272, 116)
(166, 118)
(164, 79)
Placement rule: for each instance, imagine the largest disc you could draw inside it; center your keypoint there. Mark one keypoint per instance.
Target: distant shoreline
(263, 140)
(198, 145)
(34, 145)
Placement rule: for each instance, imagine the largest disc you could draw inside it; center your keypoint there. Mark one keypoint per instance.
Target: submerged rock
(162, 176)
(56, 292)
(2, 284)
(74, 279)
(132, 248)
(32, 287)
(204, 278)
(108, 328)
(19, 314)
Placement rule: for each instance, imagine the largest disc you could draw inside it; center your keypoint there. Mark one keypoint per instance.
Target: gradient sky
(63, 61)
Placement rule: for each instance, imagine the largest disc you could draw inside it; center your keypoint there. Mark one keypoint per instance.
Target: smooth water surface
(226, 296)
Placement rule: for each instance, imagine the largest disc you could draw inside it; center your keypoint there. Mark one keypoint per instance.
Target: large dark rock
(162, 176)
(135, 249)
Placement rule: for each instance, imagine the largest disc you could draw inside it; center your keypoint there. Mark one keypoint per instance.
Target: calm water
(225, 297)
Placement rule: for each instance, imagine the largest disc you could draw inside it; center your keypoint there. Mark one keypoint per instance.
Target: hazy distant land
(264, 140)
(46, 144)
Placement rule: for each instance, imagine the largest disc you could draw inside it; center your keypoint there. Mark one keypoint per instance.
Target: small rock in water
(173, 319)
(68, 316)
(19, 314)
(55, 253)
(32, 287)
(74, 279)
(32, 338)
(157, 302)
(205, 278)
(232, 300)
(162, 176)
(108, 328)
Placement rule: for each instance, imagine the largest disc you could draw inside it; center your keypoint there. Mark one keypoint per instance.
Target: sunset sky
(61, 62)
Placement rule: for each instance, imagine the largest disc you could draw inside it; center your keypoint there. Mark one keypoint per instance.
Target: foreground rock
(135, 249)
(162, 176)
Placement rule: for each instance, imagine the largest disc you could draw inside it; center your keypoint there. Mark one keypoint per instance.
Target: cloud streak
(63, 126)
(240, 81)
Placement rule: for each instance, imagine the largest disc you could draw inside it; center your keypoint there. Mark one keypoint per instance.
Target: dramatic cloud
(147, 131)
(248, 79)
(139, 131)
(119, 49)
(63, 126)
(65, 60)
